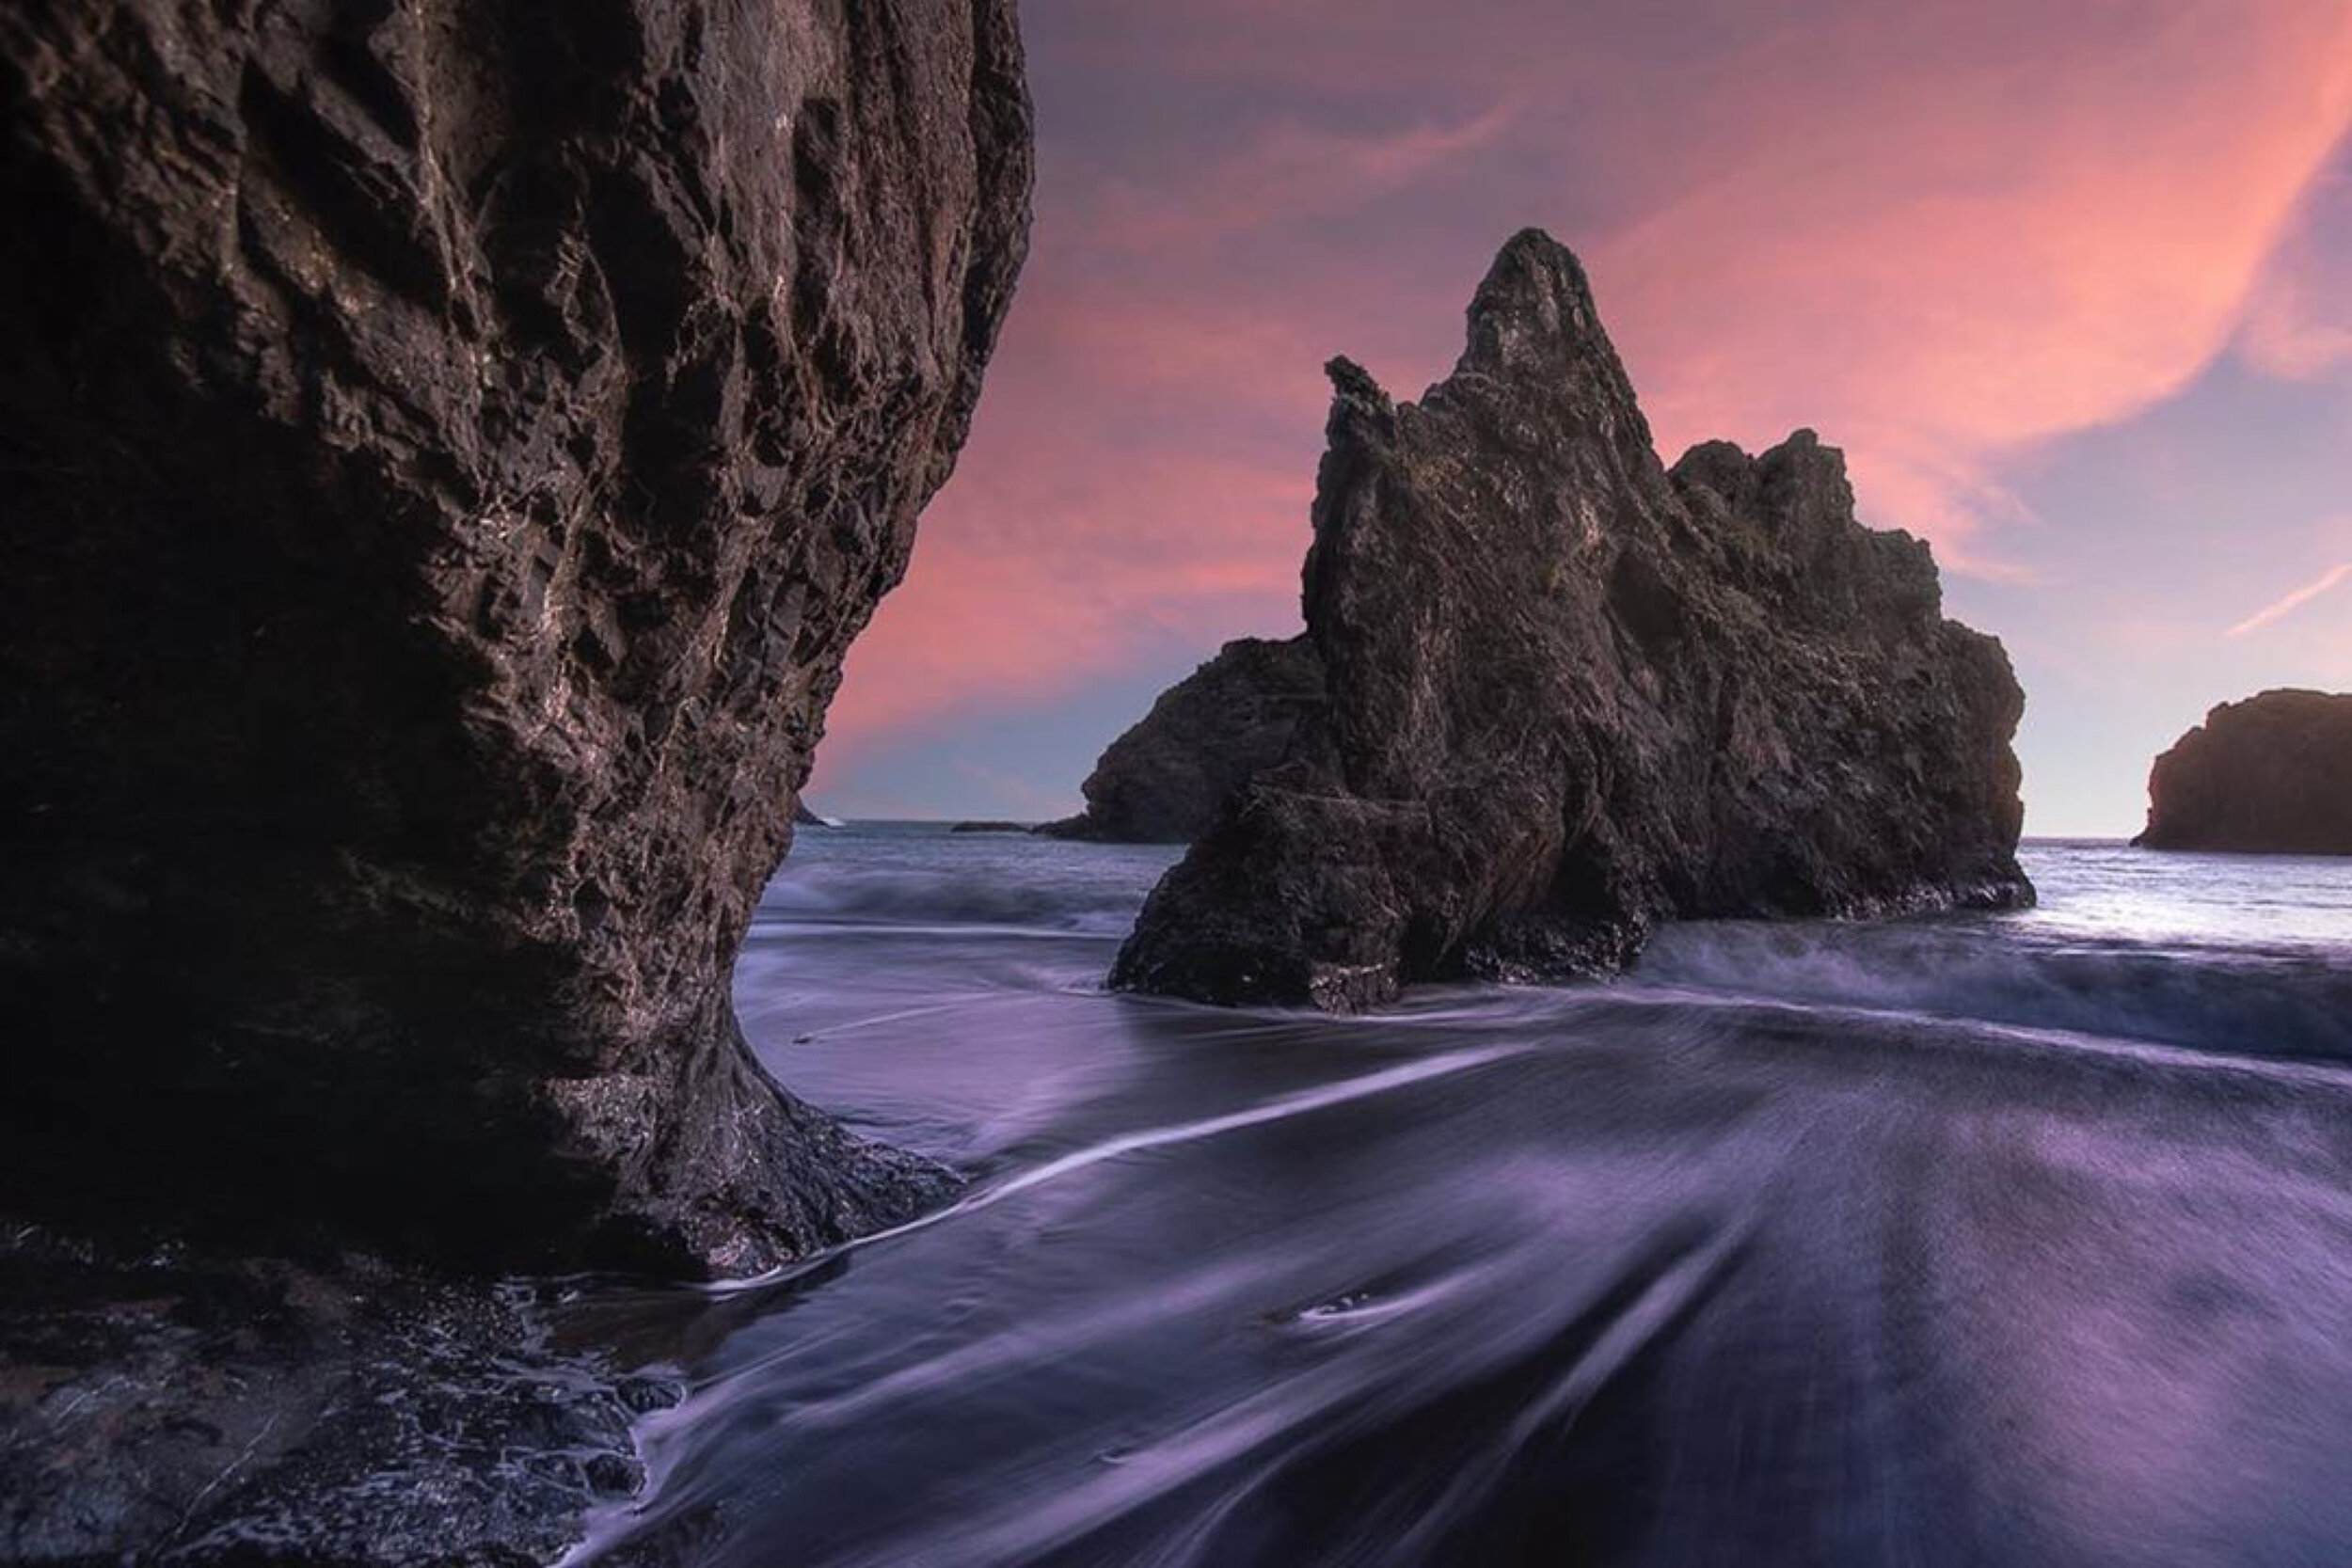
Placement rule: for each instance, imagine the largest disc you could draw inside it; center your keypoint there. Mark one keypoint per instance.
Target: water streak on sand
(1986, 1239)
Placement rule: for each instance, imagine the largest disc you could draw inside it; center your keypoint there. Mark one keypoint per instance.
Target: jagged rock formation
(803, 817)
(1571, 695)
(2269, 775)
(1162, 781)
(450, 450)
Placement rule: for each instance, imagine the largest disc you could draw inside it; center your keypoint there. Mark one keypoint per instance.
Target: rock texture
(450, 449)
(2269, 775)
(158, 1407)
(1208, 735)
(1571, 694)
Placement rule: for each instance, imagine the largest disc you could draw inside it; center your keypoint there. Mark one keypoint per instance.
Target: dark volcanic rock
(990, 826)
(1571, 695)
(157, 1406)
(1208, 735)
(2269, 775)
(450, 450)
(803, 817)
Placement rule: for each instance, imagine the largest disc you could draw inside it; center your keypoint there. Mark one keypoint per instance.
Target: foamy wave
(2279, 1002)
(835, 895)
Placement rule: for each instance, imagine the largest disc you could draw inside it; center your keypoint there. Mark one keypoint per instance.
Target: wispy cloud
(2299, 320)
(2038, 234)
(1949, 235)
(1291, 173)
(2335, 576)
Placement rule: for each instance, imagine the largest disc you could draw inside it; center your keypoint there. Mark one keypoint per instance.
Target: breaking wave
(2272, 1002)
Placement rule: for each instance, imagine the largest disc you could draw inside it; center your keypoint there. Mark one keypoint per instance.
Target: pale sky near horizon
(2070, 284)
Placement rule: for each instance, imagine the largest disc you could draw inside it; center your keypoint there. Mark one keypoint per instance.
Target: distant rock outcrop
(2269, 775)
(1208, 735)
(1570, 695)
(451, 449)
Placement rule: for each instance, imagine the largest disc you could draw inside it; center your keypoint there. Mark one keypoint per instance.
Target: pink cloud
(2298, 322)
(1941, 233)
(1040, 577)
(2025, 239)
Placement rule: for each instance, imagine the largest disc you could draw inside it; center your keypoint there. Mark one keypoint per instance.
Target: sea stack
(1570, 694)
(1163, 780)
(2271, 775)
(450, 450)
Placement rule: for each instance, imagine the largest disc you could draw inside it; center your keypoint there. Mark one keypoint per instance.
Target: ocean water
(1981, 1239)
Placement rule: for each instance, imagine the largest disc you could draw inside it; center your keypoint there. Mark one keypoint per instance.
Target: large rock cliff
(1571, 694)
(2269, 775)
(451, 447)
(1162, 781)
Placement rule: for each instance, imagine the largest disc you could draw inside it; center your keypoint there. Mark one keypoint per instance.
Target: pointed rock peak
(1802, 466)
(1534, 277)
(1352, 383)
(1720, 467)
(1536, 307)
(1803, 448)
(1363, 415)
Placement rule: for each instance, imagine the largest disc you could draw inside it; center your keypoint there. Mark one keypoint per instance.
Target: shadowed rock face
(2269, 775)
(1163, 780)
(1571, 694)
(450, 450)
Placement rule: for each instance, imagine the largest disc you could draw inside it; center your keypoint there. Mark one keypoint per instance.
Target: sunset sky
(2071, 284)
